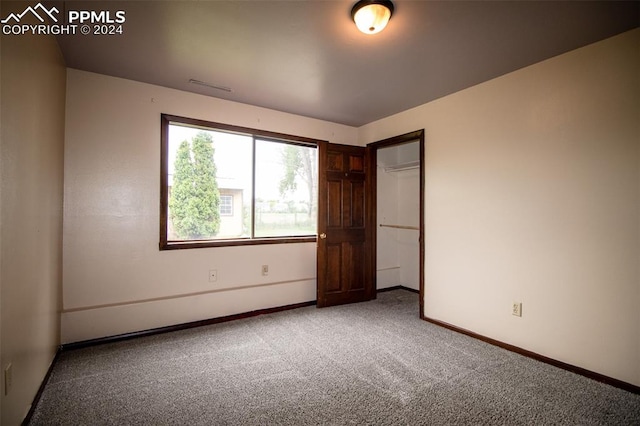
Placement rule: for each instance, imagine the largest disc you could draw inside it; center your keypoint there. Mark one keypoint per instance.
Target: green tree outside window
(195, 199)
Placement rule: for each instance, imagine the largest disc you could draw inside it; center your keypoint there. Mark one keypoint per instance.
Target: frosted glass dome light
(371, 16)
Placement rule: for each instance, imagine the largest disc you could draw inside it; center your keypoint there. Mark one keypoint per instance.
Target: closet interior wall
(398, 207)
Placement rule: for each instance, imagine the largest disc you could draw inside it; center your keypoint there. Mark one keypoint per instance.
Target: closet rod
(400, 227)
(404, 166)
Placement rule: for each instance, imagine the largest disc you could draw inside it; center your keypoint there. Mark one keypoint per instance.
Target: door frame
(372, 215)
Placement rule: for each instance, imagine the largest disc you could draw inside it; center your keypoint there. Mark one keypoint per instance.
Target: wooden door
(343, 251)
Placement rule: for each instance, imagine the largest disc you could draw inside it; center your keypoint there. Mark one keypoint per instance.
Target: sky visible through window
(276, 214)
(233, 161)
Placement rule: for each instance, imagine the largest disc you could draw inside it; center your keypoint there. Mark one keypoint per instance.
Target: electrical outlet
(265, 270)
(8, 378)
(213, 275)
(516, 309)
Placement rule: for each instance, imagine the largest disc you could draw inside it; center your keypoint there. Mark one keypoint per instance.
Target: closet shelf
(415, 228)
(403, 166)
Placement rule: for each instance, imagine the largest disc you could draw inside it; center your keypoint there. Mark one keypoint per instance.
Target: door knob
(323, 236)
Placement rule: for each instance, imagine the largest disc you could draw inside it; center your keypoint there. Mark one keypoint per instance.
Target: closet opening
(397, 213)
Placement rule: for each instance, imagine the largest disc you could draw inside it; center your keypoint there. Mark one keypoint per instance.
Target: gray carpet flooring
(374, 363)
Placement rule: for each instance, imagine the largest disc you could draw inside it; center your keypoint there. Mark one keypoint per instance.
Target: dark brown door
(343, 252)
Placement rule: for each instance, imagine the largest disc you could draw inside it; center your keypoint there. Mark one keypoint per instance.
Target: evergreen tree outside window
(195, 198)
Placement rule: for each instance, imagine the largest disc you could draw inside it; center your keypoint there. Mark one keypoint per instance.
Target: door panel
(357, 204)
(334, 161)
(343, 252)
(334, 257)
(356, 163)
(357, 256)
(334, 204)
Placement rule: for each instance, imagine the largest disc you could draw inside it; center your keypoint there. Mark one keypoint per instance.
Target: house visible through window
(227, 185)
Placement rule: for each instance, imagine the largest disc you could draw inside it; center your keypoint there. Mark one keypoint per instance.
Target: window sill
(180, 245)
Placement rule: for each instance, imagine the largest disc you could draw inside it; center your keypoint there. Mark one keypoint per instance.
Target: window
(225, 185)
(226, 205)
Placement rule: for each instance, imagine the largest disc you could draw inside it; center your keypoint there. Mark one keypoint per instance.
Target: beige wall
(115, 278)
(32, 121)
(533, 195)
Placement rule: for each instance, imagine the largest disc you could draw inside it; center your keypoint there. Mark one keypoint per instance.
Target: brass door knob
(323, 236)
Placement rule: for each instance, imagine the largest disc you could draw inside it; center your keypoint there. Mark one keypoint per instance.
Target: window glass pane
(205, 165)
(210, 196)
(286, 189)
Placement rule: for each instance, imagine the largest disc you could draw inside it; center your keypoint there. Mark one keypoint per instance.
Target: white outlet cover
(516, 309)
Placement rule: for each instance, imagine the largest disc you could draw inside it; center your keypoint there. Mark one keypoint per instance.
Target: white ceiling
(308, 58)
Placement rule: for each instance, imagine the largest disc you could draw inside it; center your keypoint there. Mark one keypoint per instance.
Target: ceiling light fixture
(371, 16)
